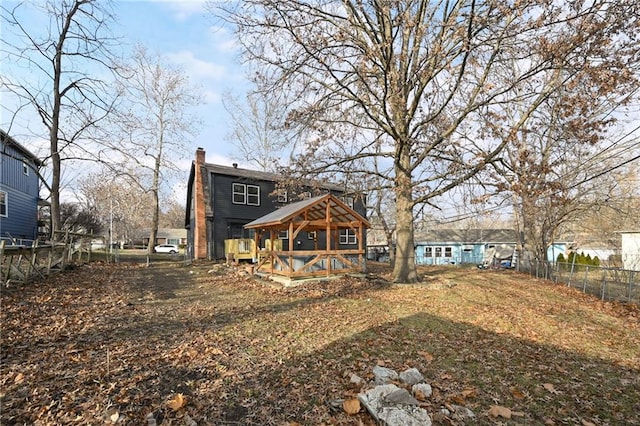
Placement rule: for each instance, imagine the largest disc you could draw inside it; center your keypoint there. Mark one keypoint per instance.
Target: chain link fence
(607, 283)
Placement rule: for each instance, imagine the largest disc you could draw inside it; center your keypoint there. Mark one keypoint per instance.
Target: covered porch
(338, 238)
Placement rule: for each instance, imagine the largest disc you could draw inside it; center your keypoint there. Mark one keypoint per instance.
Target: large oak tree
(416, 79)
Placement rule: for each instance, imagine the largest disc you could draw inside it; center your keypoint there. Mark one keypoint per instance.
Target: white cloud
(197, 67)
(184, 9)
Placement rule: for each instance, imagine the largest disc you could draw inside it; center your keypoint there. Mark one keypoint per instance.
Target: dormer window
(25, 168)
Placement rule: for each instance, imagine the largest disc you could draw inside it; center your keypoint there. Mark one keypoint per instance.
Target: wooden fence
(23, 263)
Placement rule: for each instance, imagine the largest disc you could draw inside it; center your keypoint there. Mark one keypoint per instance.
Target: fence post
(630, 285)
(604, 285)
(586, 277)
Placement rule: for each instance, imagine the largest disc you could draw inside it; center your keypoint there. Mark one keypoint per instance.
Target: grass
(244, 352)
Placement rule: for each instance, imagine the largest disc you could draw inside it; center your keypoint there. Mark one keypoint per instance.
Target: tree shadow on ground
(95, 350)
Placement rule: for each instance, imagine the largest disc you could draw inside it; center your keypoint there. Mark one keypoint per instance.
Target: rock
(401, 396)
(356, 380)
(411, 376)
(463, 412)
(404, 416)
(383, 375)
(422, 390)
(393, 406)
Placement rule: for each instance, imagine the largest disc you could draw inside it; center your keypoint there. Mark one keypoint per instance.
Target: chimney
(200, 156)
(235, 165)
(199, 206)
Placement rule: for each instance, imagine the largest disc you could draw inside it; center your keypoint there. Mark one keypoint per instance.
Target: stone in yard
(356, 380)
(463, 412)
(422, 390)
(389, 405)
(403, 397)
(411, 376)
(404, 416)
(383, 375)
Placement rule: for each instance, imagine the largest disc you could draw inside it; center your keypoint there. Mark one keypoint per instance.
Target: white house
(631, 250)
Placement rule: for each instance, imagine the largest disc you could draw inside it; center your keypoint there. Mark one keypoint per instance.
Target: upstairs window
(282, 195)
(4, 211)
(253, 195)
(25, 168)
(246, 194)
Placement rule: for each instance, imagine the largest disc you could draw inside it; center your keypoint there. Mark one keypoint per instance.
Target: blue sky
(187, 35)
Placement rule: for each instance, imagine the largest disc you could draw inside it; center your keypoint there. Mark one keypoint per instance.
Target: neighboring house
(631, 250)
(222, 199)
(168, 236)
(464, 246)
(19, 188)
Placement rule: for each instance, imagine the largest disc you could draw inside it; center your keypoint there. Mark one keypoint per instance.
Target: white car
(166, 248)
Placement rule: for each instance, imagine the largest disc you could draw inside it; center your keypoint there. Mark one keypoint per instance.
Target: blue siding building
(464, 246)
(19, 189)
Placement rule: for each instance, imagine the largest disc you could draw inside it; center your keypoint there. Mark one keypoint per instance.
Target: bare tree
(57, 70)
(259, 130)
(155, 124)
(121, 206)
(424, 74)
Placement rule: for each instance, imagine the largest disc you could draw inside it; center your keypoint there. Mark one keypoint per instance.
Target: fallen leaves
(191, 347)
(351, 406)
(550, 388)
(177, 402)
(499, 411)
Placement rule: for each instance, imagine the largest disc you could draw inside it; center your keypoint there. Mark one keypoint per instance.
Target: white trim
(348, 237)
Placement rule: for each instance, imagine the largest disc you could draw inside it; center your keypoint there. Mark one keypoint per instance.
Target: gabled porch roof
(323, 208)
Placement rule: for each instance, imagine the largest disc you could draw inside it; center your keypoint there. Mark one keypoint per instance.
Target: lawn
(205, 344)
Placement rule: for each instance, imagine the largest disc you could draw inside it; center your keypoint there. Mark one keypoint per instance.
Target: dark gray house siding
(226, 215)
(19, 189)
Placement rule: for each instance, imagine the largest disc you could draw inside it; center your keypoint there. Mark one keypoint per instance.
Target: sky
(186, 34)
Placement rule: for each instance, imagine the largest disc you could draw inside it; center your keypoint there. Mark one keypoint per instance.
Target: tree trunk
(404, 268)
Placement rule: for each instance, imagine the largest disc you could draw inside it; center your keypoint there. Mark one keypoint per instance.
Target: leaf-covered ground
(203, 344)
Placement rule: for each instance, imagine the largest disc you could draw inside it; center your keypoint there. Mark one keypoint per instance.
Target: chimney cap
(200, 148)
(235, 165)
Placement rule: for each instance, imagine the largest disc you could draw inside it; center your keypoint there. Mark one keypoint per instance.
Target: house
(176, 236)
(221, 200)
(338, 243)
(464, 246)
(19, 189)
(475, 246)
(631, 250)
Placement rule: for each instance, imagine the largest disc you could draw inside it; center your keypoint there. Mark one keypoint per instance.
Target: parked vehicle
(166, 248)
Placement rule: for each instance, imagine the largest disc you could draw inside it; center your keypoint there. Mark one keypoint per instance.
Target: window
(246, 194)
(447, 252)
(438, 251)
(283, 235)
(253, 195)
(347, 236)
(282, 195)
(239, 193)
(4, 211)
(312, 235)
(25, 168)
(428, 252)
